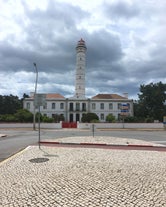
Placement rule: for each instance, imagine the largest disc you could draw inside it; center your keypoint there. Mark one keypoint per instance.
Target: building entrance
(71, 118)
(77, 117)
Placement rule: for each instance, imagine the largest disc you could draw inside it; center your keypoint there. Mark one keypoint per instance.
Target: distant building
(73, 108)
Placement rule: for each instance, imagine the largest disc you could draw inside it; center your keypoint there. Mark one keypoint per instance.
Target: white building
(73, 108)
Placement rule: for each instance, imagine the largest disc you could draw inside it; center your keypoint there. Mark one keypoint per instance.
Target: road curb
(134, 146)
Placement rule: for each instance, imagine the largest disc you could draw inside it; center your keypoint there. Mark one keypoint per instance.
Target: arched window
(61, 105)
(53, 105)
(102, 106)
(28, 105)
(110, 106)
(93, 106)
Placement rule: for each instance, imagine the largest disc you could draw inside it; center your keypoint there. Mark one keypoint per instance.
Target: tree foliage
(110, 118)
(151, 101)
(89, 117)
(9, 104)
(23, 115)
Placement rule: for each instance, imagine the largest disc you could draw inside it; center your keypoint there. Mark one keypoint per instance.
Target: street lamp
(34, 121)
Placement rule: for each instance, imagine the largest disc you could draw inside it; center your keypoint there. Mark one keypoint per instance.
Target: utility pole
(34, 110)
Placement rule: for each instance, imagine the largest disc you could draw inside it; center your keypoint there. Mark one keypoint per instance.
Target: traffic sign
(124, 109)
(39, 99)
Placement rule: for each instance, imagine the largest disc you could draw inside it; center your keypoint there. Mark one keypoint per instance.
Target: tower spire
(80, 69)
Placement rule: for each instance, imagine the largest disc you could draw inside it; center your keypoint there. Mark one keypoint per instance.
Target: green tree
(110, 118)
(9, 104)
(89, 117)
(151, 101)
(23, 115)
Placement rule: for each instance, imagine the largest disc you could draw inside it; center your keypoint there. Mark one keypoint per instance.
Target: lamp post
(34, 114)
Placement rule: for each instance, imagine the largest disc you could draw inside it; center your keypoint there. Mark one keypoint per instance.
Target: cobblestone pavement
(83, 177)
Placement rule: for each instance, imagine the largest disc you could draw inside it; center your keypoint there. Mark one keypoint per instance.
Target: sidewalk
(84, 177)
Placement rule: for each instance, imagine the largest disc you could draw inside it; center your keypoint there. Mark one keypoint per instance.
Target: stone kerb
(121, 125)
(30, 125)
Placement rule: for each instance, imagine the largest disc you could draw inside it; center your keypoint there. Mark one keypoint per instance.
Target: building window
(102, 106)
(102, 116)
(61, 105)
(45, 106)
(110, 106)
(28, 105)
(77, 106)
(83, 106)
(128, 105)
(71, 106)
(53, 105)
(93, 106)
(119, 105)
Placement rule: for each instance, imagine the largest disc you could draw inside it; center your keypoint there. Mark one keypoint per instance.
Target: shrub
(89, 117)
(110, 118)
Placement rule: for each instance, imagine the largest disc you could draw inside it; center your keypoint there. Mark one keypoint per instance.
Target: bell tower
(80, 69)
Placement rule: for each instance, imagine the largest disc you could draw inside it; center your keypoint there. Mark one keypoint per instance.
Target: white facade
(73, 108)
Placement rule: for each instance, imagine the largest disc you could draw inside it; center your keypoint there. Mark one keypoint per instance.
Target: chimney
(125, 95)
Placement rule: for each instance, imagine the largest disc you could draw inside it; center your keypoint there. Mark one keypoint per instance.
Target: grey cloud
(103, 48)
(121, 9)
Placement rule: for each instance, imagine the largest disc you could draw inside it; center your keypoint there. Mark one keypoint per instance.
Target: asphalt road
(16, 140)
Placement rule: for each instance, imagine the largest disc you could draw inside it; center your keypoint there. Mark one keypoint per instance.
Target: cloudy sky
(125, 39)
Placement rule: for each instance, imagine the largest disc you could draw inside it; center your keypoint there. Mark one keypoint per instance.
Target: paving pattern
(83, 178)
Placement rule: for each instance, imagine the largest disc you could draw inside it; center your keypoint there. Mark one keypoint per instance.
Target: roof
(54, 96)
(51, 96)
(108, 96)
(81, 43)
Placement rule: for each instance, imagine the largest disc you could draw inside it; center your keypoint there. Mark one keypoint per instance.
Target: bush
(89, 117)
(131, 119)
(149, 120)
(110, 118)
(23, 115)
(47, 119)
(94, 121)
(8, 118)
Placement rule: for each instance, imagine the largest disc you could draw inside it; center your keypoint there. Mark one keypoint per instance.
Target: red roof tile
(54, 95)
(108, 96)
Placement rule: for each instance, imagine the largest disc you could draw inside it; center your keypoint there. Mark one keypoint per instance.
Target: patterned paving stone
(84, 177)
